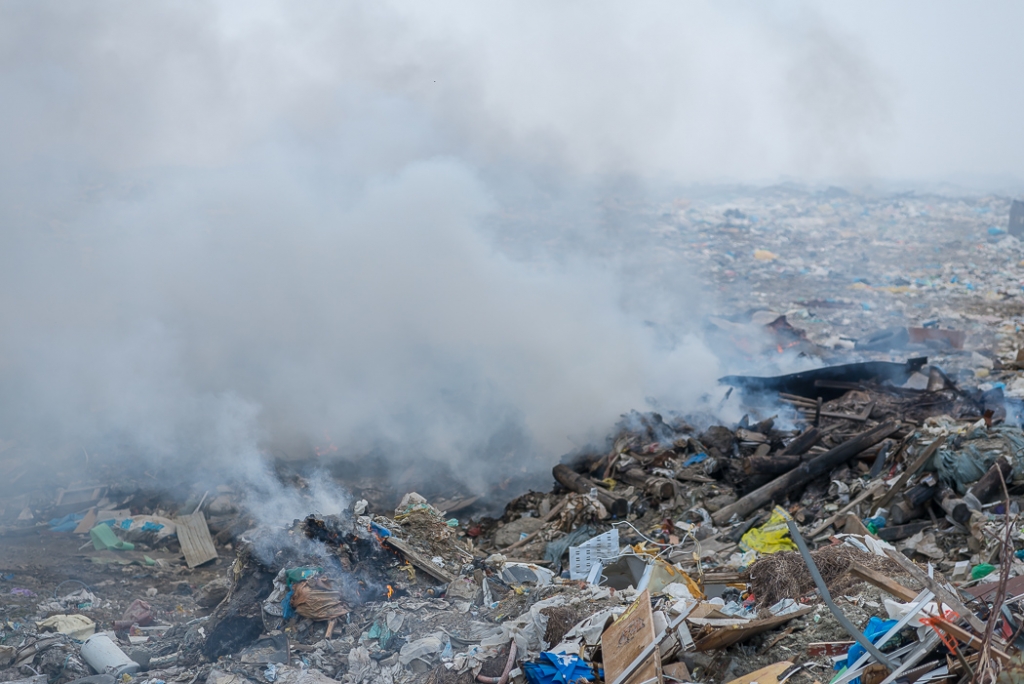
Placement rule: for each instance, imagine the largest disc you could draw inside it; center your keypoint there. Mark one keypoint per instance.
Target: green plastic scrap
(103, 538)
(982, 570)
(299, 574)
(380, 631)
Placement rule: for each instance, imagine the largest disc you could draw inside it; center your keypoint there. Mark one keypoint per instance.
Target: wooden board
(828, 648)
(881, 581)
(626, 638)
(195, 540)
(86, 523)
(766, 675)
(727, 636)
(956, 631)
(676, 671)
(424, 564)
(986, 592)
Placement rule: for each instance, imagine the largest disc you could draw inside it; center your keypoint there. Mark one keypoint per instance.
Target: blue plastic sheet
(696, 458)
(557, 668)
(66, 524)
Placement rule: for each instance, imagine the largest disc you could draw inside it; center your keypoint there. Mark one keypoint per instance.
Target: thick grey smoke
(234, 227)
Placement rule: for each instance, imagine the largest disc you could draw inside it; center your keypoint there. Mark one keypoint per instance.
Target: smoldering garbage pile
(676, 553)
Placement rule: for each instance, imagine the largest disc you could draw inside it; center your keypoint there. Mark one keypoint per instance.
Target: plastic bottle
(106, 657)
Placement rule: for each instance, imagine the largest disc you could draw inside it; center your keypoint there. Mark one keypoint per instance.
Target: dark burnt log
(575, 482)
(658, 487)
(804, 473)
(921, 493)
(785, 460)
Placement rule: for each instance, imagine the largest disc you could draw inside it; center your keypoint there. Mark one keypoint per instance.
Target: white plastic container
(106, 657)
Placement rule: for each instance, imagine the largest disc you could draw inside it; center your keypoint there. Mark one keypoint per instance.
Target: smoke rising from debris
(234, 228)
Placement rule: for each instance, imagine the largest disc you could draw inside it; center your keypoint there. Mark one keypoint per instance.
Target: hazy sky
(224, 221)
(693, 91)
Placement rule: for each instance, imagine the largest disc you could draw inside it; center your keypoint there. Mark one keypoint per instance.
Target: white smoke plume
(234, 229)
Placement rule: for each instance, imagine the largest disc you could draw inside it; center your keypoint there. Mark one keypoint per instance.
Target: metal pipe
(820, 583)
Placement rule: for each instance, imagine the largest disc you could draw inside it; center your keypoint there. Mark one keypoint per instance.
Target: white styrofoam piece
(582, 557)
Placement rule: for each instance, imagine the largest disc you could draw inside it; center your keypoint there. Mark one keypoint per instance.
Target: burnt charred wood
(914, 502)
(803, 442)
(787, 459)
(921, 493)
(771, 465)
(575, 482)
(830, 382)
(885, 448)
(804, 473)
(990, 486)
(718, 439)
(658, 487)
(238, 619)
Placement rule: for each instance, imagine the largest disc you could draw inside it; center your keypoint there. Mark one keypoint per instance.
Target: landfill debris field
(860, 521)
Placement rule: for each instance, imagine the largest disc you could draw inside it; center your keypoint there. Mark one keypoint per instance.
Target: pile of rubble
(860, 523)
(676, 552)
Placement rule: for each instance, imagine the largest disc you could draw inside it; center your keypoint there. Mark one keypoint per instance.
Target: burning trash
(857, 517)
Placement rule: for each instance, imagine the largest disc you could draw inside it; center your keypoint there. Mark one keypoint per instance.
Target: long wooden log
(921, 493)
(771, 464)
(787, 459)
(805, 472)
(575, 482)
(658, 487)
(955, 507)
(802, 443)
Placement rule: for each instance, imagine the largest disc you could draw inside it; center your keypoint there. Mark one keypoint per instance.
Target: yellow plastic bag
(771, 537)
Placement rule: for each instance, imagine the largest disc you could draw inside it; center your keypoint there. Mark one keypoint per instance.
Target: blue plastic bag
(875, 629)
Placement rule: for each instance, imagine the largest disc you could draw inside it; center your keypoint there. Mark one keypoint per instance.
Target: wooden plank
(940, 591)
(194, 538)
(624, 641)
(956, 631)
(727, 636)
(766, 675)
(677, 671)
(716, 577)
(86, 523)
(879, 580)
(828, 648)
(424, 564)
(853, 525)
